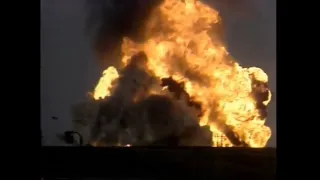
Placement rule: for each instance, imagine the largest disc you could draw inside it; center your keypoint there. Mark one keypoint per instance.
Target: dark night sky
(69, 69)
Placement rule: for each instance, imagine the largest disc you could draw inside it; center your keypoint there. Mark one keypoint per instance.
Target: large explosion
(183, 67)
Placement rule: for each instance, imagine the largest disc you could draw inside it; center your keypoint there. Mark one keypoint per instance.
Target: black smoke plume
(156, 118)
(108, 21)
(143, 118)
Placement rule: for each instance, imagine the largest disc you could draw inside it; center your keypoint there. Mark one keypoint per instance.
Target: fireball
(182, 43)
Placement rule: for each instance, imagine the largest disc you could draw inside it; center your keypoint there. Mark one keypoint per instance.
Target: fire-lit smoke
(180, 48)
(111, 20)
(138, 104)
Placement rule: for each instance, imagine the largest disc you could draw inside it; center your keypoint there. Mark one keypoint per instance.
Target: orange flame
(186, 49)
(105, 83)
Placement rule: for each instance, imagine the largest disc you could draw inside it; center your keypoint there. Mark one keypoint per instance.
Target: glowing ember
(187, 50)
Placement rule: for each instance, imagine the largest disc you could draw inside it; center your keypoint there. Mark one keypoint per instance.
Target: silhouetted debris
(173, 86)
(69, 138)
(261, 94)
(54, 117)
(178, 89)
(232, 136)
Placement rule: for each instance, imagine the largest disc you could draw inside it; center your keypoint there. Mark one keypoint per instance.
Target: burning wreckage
(180, 87)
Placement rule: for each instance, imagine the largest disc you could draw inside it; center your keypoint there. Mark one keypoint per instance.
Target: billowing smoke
(111, 20)
(108, 21)
(132, 115)
(140, 118)
(146, 107)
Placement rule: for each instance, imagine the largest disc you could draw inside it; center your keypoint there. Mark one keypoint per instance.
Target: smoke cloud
(108, 21)
(138, 117)
(133, 114)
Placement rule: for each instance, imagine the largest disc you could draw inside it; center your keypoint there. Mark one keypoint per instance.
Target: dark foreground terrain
(196, 163)
(245, 163)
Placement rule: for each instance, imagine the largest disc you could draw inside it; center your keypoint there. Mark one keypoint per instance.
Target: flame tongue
(181, 45)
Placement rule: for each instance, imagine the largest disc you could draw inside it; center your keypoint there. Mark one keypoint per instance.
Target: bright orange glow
(186, 49)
